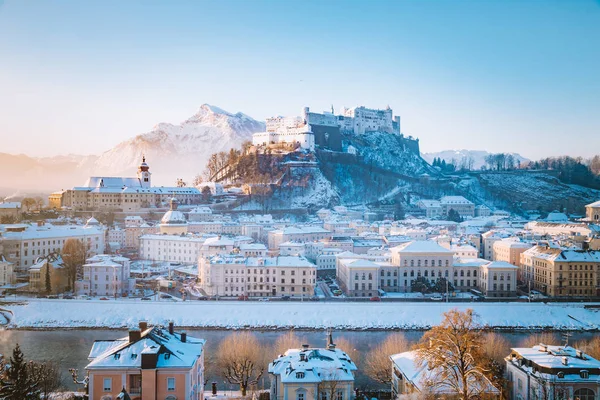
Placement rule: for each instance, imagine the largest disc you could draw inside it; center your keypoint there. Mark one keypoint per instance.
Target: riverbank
(71, 314)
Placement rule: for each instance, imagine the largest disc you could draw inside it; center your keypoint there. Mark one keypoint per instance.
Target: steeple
(143, 173)
(330, 344)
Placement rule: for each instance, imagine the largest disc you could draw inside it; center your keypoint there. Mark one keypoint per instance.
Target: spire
(143, 157)
(332, 108)
(330, 344)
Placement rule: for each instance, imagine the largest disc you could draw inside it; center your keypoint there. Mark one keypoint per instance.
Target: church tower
(143, 174)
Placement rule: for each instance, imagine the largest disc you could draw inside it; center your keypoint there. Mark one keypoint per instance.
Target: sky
(514, 76)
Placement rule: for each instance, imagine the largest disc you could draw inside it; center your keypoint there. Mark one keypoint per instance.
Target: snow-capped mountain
(179, 150)
(457, 156)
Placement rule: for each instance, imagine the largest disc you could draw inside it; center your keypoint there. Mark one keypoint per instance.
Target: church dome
(173, 216)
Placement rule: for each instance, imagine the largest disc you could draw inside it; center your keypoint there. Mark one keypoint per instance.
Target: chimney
(579, 354)
(171, 327)
(543, 347)
(565, 361)
(302, 357)
(330, 344)
(134, 335)
(143, 325)
(214, 388)
(305, 346)
(183, 337)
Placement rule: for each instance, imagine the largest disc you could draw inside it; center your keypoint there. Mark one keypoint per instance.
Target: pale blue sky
(524, 76)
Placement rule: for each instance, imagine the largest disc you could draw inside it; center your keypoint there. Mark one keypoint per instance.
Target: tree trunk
(243, 389)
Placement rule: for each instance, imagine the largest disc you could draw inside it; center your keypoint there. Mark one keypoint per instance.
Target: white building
(462, 206)
(202, 213)
(292, 249)
(552, 372)
(498, 279)
(433, 208)
(313, 374)
(296, 234)
(300, 136)
(23, 243)
(106, 275)
(7, 272)
(236, 275)
(171, 248)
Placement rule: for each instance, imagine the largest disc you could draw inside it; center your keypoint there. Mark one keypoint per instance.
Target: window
(170, 384)
(107, 384)
(339, 395)
(585, 394)
(300, 375)
(584, 374)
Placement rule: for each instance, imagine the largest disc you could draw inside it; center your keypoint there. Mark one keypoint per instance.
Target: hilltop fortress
(326, 129)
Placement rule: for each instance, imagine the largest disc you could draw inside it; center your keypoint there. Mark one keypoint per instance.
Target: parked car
(243, 297)
(436, 297)
(53, 296)
(68, 297)
(146, 298)
(104, 298)
(202, 298)
(375, 298)
(315, 298)
(165, 296)
(337, 292)
(263, 299)
(285, 298)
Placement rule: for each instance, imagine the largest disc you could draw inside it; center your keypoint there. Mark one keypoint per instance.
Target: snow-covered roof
(552, 357)
(50, 231)
(595, 204)
(421, 246)
(309, 365)
(10, 205)
(555, 254)
(359, 263)
(171, 350)
(455, 200)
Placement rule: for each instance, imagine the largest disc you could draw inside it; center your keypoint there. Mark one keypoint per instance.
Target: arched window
(584, 394)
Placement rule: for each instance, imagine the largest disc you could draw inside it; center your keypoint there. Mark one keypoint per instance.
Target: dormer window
(299, 375)
(560, 375)
(584, 374)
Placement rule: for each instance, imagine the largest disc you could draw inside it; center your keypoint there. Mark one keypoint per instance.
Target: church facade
(122, 193)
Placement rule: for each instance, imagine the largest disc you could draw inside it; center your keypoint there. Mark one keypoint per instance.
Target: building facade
(150, 364)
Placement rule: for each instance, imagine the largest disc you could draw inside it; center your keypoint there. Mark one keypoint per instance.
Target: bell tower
(144, 174)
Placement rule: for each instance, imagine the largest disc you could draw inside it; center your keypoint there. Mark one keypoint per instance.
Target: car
(104, 298)
(146, 298)
(337, 292)
(315, 298)
(2, 296)
(375, 298)
(202, 298)
(263, 299)
(436, 297)
(165, 296)
(68, 297)
(285, 297)
(243, 297)
(53, 297)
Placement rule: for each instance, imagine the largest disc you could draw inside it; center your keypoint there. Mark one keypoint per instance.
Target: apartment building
(552, 372)
(171, 248)
(561, 272)
(7, 272)
(498, 279)
(236, 275)
(509, 250)
(51, 265)
(297, 234)
(151, 363)
(106, 275)
(24, 243)
(592, 211)
(461, 205)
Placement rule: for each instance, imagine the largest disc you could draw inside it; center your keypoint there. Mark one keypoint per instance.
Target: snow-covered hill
(180, 150)
(457, 156)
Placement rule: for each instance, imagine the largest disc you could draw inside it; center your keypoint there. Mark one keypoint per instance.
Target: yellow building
(558, 272)
(58, 275)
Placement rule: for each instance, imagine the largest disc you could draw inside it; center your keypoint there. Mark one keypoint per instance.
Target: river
(69, 348)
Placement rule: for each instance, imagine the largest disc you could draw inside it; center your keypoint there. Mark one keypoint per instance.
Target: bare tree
(285, 342)
(537, 338)
(242, 360)
(452, 353)
(27, 203)
(48, 377)
(377, 362)
(590, 347)
(197, 180)
(331, 380)
(495, 348)
(73, 255)
(349, 348)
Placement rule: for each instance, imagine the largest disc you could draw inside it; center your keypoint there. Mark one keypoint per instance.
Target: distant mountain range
(172, 151)
(457, 156)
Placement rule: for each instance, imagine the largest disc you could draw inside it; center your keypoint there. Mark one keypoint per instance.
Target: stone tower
(144, 174)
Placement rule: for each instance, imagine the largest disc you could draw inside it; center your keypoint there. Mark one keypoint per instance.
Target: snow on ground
(305, 315)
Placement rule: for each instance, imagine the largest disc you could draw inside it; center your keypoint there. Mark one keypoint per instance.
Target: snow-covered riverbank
(274, 315)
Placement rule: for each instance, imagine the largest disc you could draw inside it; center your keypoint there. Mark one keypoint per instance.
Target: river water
(70, 348)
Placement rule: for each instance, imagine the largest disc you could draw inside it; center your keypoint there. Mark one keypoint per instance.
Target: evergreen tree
(17, 384)
(48, 283)
(453, 215)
